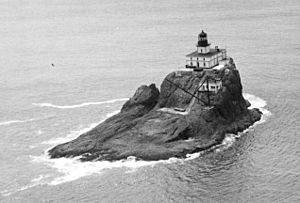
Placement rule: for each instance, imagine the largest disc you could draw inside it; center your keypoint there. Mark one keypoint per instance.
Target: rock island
(193, 110)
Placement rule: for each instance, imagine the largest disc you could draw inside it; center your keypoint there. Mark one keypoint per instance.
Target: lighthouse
(203, 47)
(204, 57)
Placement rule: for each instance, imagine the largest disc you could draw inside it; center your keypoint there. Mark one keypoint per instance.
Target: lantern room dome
(202, 40)
(202, 34)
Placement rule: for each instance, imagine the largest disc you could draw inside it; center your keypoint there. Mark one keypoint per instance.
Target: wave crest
(16, 121)
(78, 105)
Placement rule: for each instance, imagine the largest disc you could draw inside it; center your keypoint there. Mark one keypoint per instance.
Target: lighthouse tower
(203, 47)
(204, 57)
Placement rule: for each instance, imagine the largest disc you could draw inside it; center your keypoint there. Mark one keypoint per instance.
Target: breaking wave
(78, 105)
(34, 182)
(17, 121)
(260, 104)
(73, 169)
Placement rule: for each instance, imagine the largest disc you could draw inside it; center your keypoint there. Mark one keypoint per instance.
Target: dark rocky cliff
(142, 129)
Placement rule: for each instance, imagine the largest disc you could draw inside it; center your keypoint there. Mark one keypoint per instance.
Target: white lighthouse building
(204, 57)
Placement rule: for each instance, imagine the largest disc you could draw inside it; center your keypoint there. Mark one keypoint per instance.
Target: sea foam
(260, 104)
(78, 105)
(73, 169)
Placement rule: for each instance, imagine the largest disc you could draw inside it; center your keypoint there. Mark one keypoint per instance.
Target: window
(203, 64)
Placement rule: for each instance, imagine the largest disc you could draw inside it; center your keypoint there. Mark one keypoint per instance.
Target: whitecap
(78, 105)
(227, 141)
(73, 169)
(16, 121)
(10, 122)
(255, 101)
(8, 192)
(40, 180)
(260, 104)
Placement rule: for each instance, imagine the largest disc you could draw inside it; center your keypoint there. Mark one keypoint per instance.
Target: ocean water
(102, 51)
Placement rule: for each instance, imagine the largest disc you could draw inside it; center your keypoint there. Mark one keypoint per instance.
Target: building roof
(212, 52)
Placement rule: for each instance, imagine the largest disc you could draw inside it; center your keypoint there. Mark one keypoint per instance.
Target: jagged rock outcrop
(142, 129)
